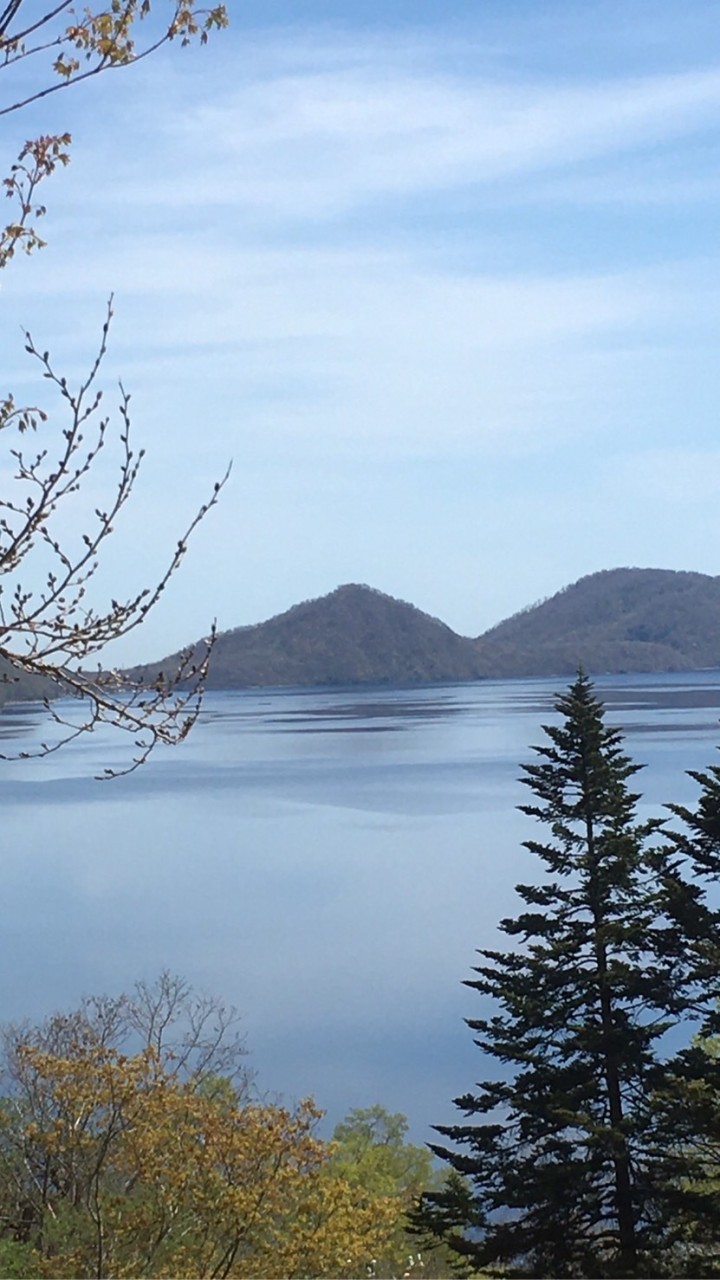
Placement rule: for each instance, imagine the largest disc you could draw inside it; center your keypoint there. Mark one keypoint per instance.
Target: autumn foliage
(117, 1164)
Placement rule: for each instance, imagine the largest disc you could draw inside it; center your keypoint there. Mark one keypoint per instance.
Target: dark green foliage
(700, 842)
(19, 1261)
(578, 1154)
(696, 850)
(449, 1214)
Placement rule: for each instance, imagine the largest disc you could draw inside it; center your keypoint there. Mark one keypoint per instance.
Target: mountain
(354, 635)
(613, 621)
(23, 688)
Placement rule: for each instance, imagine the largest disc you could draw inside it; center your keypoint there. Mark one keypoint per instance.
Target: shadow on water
(359, 715)
(297, 710)
(21, 719)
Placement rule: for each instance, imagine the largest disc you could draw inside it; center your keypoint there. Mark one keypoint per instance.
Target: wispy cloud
(315, 140)
(335, 252)
(380, 352)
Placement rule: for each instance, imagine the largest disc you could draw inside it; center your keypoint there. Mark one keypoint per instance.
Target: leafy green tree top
(373, 1156)
(371, 1149)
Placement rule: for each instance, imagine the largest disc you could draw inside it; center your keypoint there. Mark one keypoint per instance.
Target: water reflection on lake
(327, 861)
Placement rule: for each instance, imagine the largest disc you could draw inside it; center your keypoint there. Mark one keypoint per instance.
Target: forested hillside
(355, 635)
(614, 621)
(23, 688)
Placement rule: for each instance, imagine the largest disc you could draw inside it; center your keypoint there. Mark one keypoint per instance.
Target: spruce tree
(571, 1155)
(700, 842)
(692, 1096)
(696, 847)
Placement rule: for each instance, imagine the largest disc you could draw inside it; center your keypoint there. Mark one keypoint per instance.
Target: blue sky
(441, 279)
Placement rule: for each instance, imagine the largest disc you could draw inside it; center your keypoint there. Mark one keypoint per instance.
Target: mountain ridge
(615, 620)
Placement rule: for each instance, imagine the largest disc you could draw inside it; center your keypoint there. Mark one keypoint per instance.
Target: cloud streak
(347, 261)
(313, 141)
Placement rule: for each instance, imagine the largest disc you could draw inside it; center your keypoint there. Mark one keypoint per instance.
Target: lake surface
(326, 861)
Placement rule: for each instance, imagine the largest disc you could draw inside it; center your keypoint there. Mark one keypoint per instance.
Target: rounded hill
(354, 635)
(613, 621)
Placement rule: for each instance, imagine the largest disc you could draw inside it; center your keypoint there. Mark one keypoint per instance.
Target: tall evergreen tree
(700, 842)
(696, 846)
(692, 1100)
(572, 1159)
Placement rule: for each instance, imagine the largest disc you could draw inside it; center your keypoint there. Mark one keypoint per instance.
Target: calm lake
(326, 861)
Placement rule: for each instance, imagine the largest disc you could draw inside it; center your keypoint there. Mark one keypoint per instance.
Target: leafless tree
(193, 1035)
(49, 628)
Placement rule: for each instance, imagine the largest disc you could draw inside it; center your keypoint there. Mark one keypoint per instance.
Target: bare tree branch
(48, 627)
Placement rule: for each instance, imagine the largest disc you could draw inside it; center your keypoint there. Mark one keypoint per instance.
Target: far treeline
(620, 620)
(133, 1141)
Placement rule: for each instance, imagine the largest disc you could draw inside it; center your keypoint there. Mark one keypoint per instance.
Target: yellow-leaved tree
(116, 1163)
